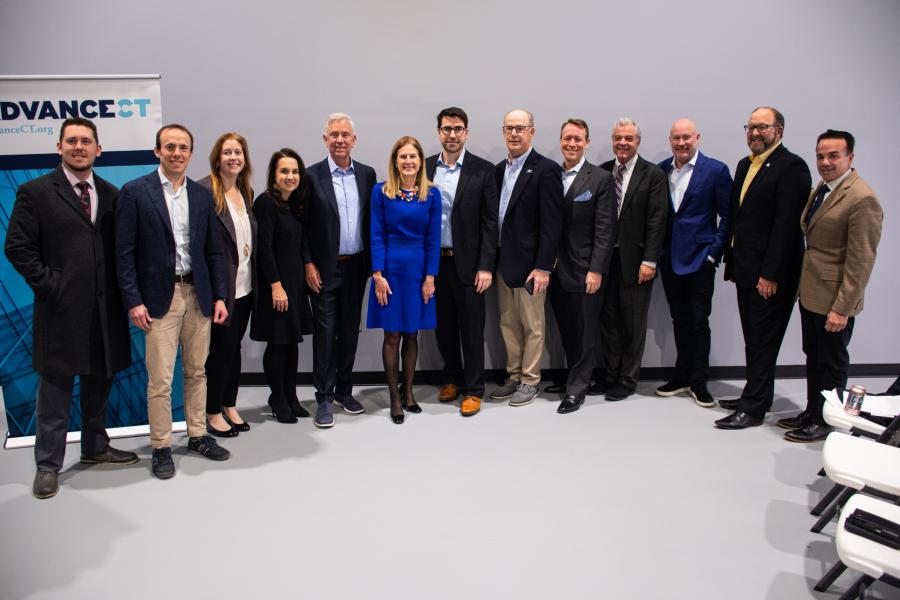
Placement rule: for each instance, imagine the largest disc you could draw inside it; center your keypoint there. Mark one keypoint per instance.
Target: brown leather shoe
(448, 393)
(470, 406)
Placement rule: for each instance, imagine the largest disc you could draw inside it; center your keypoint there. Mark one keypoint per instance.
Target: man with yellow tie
(764, 256)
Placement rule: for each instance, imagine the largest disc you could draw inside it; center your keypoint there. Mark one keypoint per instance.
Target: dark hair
(79, 121)
(453, 112)
(779, 118)
(173, 126)
(296, 202)
(835, 134)
(577, 123)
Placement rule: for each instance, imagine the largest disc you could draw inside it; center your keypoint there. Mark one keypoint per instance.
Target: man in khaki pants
(171, 272)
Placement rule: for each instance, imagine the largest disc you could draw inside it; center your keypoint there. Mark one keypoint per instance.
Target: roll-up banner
(127, 112)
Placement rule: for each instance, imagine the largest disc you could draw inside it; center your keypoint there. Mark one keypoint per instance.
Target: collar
(74, 180)
(519, 160)
(833, 185)
(576, 168)
(692, 162)
(761, 158)
(332, 166)
(459, 161)
(165, 182)
(629, 166)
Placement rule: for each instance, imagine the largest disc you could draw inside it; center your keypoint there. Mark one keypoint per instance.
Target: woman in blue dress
(406, 241)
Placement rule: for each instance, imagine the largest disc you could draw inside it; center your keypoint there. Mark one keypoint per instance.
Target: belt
(346, 257)
(446, 251)
(184, 278)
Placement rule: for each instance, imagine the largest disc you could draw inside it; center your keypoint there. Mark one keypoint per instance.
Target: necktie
(820, 196)
(84, 187)
(620, 172)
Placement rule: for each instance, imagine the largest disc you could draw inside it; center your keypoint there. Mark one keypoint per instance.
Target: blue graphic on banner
(128, 398)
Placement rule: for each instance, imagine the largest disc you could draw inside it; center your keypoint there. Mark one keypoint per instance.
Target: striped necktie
(620, 173)
(84, 187)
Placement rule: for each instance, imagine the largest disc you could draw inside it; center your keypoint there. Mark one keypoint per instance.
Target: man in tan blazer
(842, 225)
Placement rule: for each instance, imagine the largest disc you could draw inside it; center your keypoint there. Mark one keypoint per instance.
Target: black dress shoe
(598, 388)
(110, 456)
(738, 420)
(569, 404)
(555, 388)
(241, 427)
(617, 392)
(45, 485)
(228, 433)
(729, 403)
(812, 432)
(798, 422)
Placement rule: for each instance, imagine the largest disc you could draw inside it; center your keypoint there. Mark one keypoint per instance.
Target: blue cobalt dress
(406, 246)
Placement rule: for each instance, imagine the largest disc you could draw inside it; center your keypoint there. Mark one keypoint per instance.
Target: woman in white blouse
(229, 181)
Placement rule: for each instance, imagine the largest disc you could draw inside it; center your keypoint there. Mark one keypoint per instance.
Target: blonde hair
(392, 185)
(243, 179)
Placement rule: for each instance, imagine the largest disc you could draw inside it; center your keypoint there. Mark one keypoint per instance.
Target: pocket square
(583, 196)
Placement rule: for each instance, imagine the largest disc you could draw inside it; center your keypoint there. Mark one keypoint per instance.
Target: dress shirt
(446, 179)
(179, 217)
(92, 190)
(510, 175)
(833, 185)
(679, 180)
(569, 176)
(347, 195)
(242, 238)
(756, 163)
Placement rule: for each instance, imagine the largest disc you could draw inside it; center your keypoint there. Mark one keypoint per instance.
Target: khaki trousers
(185, 323)
(522, 328)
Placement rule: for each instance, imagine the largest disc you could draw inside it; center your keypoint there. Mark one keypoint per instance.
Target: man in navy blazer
(696, 232)
(335, 256)
(530, 223)
(171, 271)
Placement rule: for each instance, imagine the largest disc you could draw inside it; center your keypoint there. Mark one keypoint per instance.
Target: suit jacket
(589, 223)
(532, 225)
(841, 240)
(231, 251)
(145, 247)
(323, 223)
(69, 263)
(692, 233)
(765, 236)
(473, 219)
(642, 220)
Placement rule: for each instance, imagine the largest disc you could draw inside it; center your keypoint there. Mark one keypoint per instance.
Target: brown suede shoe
(470, 406)
(448, 393)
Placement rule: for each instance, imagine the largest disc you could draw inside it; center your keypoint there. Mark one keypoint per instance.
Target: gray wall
(274, 70)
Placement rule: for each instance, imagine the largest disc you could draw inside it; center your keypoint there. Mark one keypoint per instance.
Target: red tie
(84, 186)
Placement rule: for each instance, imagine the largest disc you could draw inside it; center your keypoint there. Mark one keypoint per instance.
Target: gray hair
(530, 116)
(626, 121)
(338, 117)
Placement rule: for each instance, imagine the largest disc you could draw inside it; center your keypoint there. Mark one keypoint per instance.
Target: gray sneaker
(324, 415)
(524, 395)
(506, 390)
(350, 405)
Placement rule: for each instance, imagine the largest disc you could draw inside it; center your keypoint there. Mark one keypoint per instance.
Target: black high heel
(281, 412)
(240, 427)
(395, 417)
(296, 408)
(230, 432)
(414, 408)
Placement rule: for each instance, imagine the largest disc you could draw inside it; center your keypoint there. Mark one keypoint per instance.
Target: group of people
(193, 263)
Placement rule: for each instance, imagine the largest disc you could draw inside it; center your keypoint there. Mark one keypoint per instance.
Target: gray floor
(637, 499)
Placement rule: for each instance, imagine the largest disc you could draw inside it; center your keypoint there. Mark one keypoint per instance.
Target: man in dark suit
(335, 253)
(842, 223)
(641, 199)
(60, 238)
(530, 224)
(171, 272)
(763, 257)
(589, 223)
(468, 255)
(696, 234)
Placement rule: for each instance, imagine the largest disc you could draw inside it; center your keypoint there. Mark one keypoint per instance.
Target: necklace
(243, 221)
(409, 195)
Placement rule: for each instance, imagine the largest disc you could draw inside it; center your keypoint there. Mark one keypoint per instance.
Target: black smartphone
(529, 287)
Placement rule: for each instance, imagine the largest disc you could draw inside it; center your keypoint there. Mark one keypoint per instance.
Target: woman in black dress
(282, 314)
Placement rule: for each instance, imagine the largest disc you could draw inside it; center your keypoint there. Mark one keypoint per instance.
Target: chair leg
(832, 510)
(830, 576)
(827, 499)
(859, 587)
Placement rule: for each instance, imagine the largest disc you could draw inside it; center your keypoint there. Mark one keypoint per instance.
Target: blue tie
(820, 196)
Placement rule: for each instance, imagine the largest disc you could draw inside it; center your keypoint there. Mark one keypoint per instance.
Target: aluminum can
(855, 396)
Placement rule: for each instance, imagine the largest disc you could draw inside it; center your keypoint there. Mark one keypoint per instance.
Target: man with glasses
(468, 255)
(530, 224)
(763, 257)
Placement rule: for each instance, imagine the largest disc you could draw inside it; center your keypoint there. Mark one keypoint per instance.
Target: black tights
(280, 367)
(390, 354)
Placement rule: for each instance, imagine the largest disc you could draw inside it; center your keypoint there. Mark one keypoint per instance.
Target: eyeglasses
(447, 130)
(759, 128)
(519, 129)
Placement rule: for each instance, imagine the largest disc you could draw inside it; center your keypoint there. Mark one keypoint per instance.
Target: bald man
(696, 233)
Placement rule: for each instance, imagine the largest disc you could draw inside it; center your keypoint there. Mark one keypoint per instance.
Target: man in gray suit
(60, 238)
(589, 220)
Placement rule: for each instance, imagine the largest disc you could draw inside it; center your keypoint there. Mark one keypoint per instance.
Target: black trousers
(827, 360)
(578, 317)
(54, 403)
(623, 326)
(336, 315)
(460, 326)
(223, 365)
(763, 323)
(690, 304)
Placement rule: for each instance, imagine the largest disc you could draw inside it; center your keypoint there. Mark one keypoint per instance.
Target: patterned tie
(620, 171)
(84, 187)
(820, 196)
